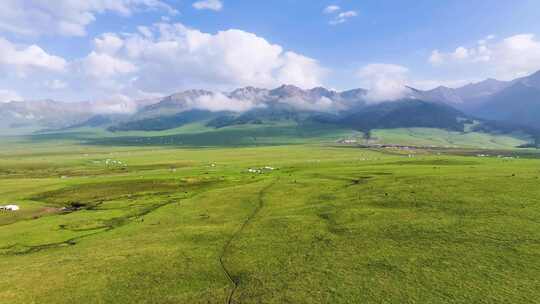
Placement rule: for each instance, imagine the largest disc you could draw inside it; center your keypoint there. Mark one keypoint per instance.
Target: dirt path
(227, 247)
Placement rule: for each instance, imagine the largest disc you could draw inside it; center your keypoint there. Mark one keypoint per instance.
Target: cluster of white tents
(260, 170)
(9, 208)
(112, 162)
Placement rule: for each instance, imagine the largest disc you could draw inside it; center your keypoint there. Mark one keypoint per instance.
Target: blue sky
(375, 44)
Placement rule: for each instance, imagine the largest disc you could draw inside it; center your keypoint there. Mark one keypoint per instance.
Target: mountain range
(487, 106)
(516, 101)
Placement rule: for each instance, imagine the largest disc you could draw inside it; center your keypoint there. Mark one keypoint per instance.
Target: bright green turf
(443, 138)
(331, 225)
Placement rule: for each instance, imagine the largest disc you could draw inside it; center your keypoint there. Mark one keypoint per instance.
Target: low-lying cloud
(8, 95)
(322, 104)
(385, 82)
(218, 102)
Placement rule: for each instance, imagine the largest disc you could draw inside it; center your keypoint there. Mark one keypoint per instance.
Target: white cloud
(176, 57)
(108, 43)
(115, 104)
(145, 31)
(161, 59)
(343, 17)
(298, 70)
(385, 82)
(66, 17)
(219, 102)
(460, 53)
(517, 56)
(339, 17)
(55, 84)
(486, 39)
(102, 65)
(23, 59)
(436, 57)
(214, 5)
(331, 9)
(322, 104)
(508, 58)
(389, 82)
(8, 95)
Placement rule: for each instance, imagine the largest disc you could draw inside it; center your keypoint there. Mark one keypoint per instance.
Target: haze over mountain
(467, 97)
(519, 103)
(57, 114)
(515, 102)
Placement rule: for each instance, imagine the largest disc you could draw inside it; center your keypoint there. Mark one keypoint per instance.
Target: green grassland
(156, 218)
(449, 139)
(278, 133)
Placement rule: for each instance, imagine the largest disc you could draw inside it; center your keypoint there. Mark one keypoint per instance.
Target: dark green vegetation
(260, 116)
(282, 119)
(164, 122)
(123, 222)
(408, 114)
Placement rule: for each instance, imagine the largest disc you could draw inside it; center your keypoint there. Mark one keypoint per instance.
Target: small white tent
(10, 208)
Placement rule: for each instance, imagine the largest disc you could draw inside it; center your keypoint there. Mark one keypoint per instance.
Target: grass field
(173, 224)
(278, 133)
(449, 139)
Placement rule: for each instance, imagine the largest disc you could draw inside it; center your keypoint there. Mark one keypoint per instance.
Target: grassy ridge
(331, 225)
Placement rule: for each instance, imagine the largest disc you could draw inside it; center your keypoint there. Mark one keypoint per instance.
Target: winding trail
(236, 234)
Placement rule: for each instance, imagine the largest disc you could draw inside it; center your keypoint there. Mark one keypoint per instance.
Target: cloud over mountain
(155, 60)
(8, 95)
(217, 102)
(169, 57)
(384, 81)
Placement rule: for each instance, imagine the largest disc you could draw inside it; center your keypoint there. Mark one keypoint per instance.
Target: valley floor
(308, 224)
